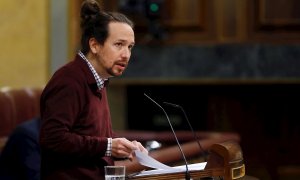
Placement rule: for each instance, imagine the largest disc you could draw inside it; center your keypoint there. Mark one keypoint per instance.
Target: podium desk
(225, 160)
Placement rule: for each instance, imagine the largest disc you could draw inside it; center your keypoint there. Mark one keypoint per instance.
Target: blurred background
(233, 65)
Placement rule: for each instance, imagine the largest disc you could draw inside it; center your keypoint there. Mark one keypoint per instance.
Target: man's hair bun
(89, 11)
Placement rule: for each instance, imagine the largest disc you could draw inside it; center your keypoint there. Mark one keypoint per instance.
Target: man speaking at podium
(76, 134)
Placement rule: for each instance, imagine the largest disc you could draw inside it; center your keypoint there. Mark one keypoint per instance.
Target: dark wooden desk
(170, 153)
(225, 160)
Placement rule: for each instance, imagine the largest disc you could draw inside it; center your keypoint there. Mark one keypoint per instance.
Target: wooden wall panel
(274, 21)
(179, 22)
(206, 21)
(190, 21)
(279, 13)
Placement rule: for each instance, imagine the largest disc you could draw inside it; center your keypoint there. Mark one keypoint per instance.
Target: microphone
(186, 118)
(187, 174)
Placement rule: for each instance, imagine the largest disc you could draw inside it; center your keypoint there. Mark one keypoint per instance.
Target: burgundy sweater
(75, 125)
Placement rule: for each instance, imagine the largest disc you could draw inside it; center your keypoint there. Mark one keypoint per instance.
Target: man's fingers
(123, 148)
(128, 144)
(140, 147)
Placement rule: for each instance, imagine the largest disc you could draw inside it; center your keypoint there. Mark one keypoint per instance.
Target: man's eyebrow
(123, 40)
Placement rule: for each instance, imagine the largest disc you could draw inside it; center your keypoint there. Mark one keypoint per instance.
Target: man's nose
(126, 53)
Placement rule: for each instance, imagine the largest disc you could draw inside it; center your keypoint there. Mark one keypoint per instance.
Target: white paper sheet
(160, 168)
(148, 161)
(191, 167)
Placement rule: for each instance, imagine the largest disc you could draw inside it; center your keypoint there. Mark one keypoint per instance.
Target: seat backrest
(24, 103)
(17, 106)
(7, 114)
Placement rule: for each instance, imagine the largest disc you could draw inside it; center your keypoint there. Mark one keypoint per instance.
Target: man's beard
(113, 74)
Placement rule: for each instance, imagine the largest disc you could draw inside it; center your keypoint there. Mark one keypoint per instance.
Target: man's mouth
(121, 65)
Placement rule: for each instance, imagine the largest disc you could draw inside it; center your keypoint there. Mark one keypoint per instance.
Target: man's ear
(93, 45)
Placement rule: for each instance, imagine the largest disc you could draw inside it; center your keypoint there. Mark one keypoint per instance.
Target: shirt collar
(99, 81)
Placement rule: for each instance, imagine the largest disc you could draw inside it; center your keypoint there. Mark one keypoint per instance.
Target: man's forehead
(121, 31)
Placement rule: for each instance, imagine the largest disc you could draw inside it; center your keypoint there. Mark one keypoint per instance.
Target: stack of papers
(160, 168)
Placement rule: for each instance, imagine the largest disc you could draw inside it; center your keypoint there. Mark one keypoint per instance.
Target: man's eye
(118, 44)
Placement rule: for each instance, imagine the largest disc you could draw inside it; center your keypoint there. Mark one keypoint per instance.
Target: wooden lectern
(225, 160)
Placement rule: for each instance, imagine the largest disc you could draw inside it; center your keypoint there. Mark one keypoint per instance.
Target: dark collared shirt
(75, 125)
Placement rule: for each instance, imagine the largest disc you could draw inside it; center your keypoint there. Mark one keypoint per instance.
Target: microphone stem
(187, 174)
(194, 134)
